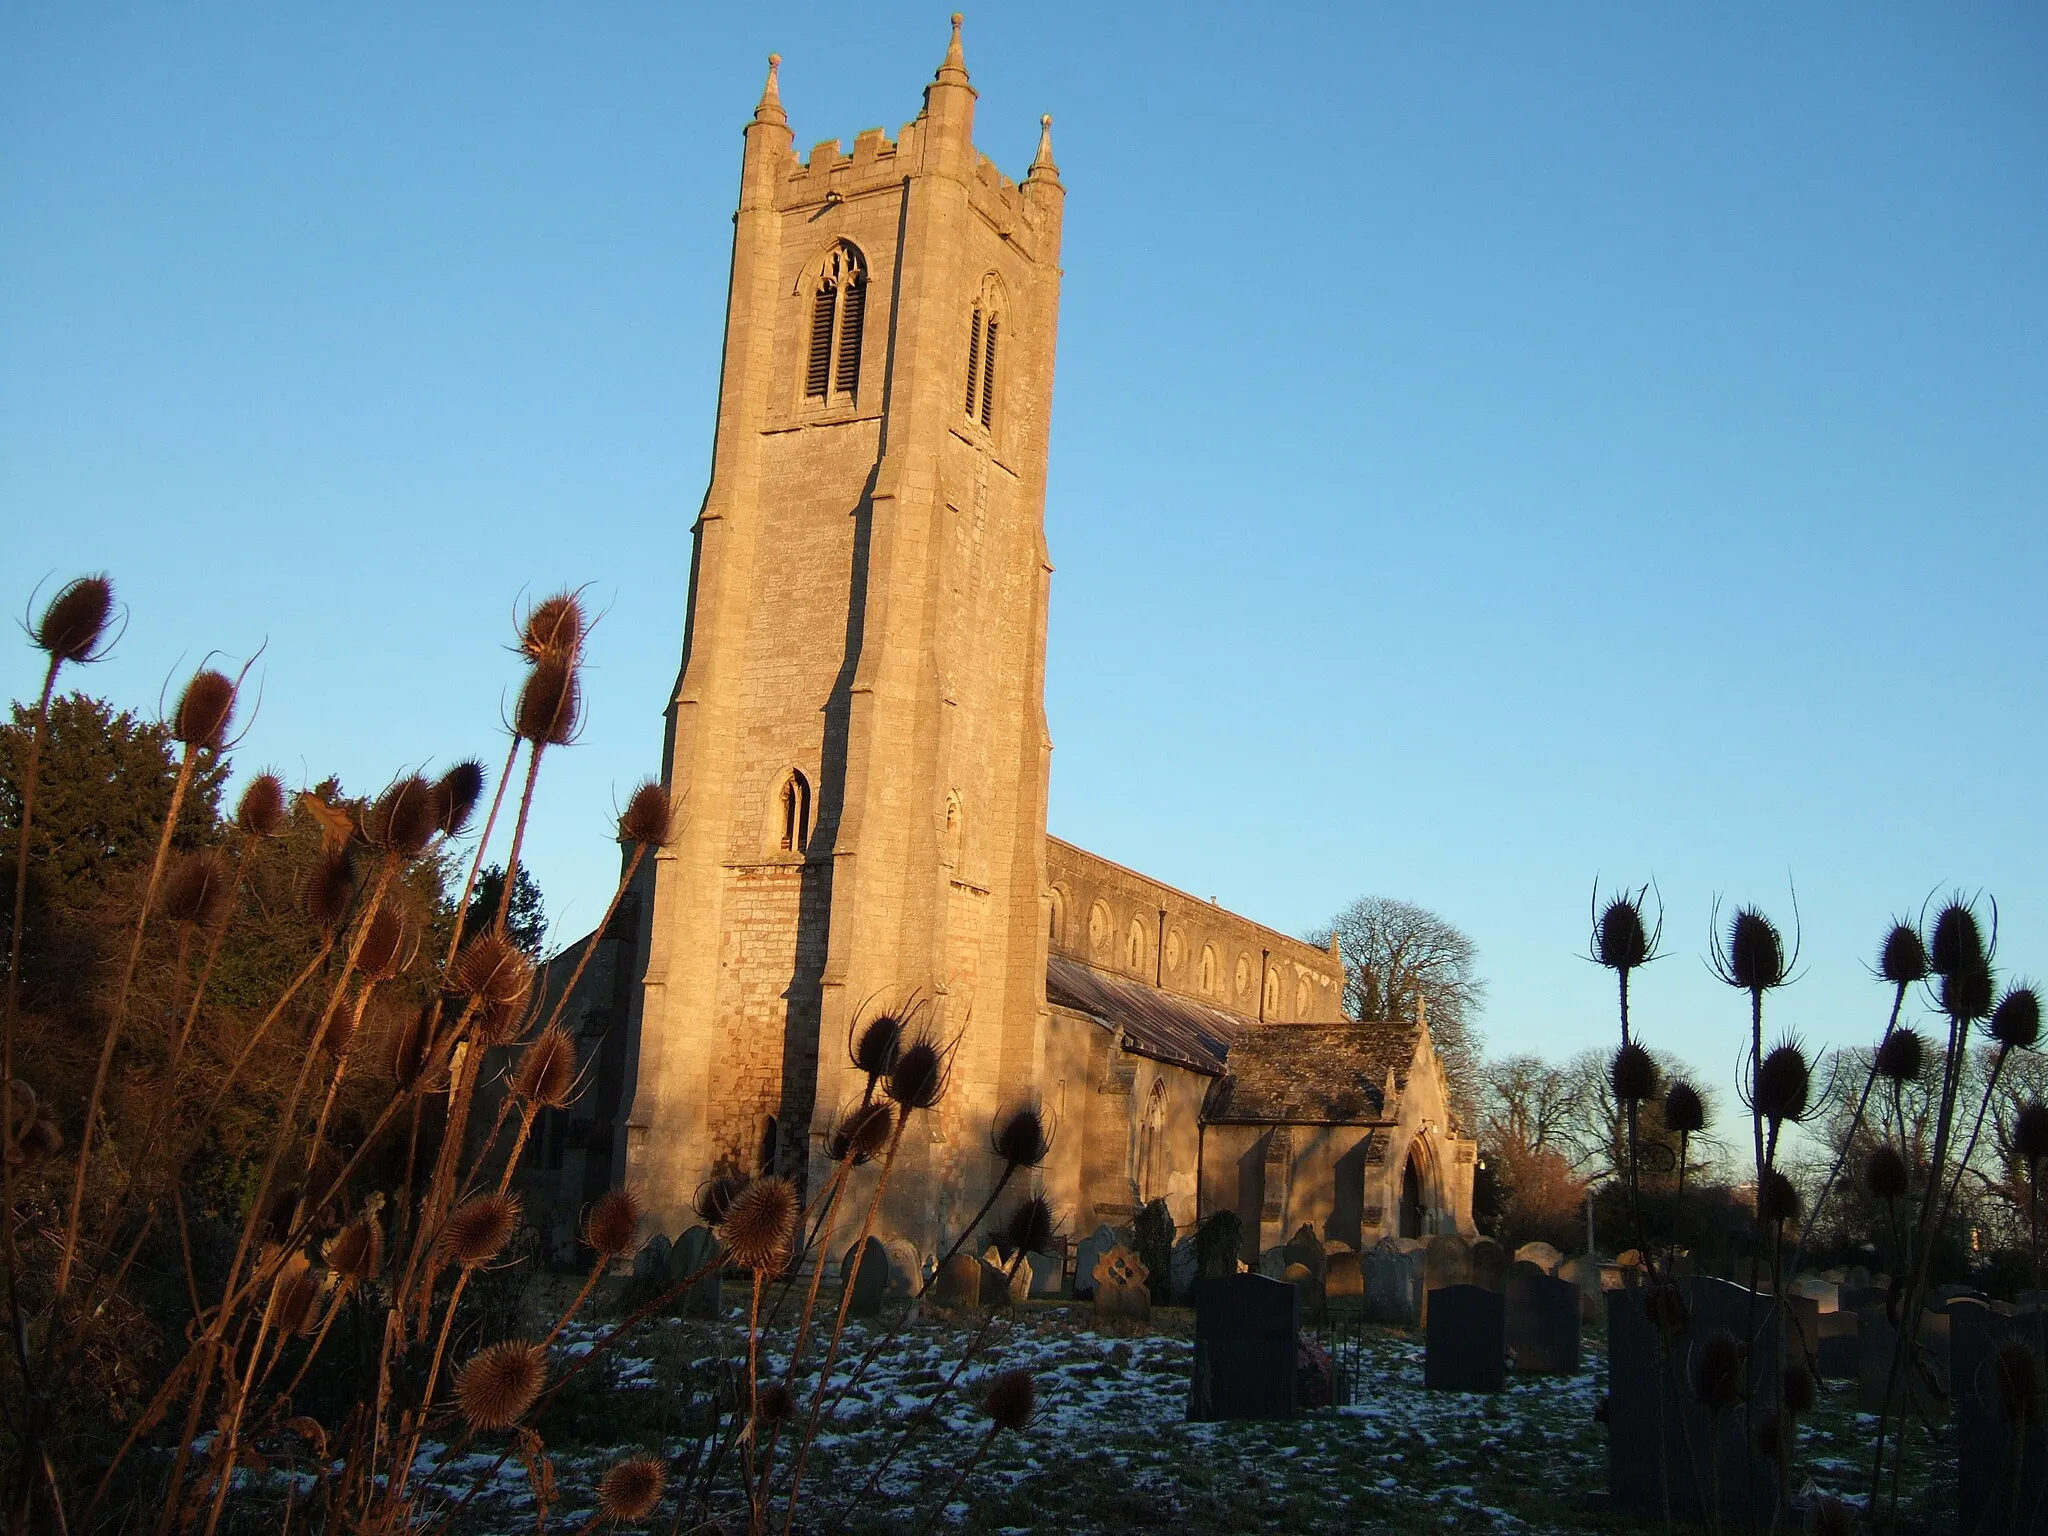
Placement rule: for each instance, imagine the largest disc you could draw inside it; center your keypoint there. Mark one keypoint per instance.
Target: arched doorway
(1411, 1199)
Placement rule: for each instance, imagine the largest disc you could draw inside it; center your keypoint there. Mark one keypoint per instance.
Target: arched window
(1272, 994)
(1056, 917)
(956, 826)
(1152, 1144)
(1208, 969)
(1304, 994)
(1134, 946)
(984, 332)
(796, 812)
(838, 313)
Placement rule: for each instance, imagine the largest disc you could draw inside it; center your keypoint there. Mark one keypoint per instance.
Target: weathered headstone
(1304, 1279)
(1090, 1252)
(1990, 1474)
(1838, 1350)
(1446, 1261)
(1306, 1249)
(1047, 1274)
(1826, 1294)
(1651, 1407)
(651, 1262)
(1245, 1349)
(1185, 1269)
(1465, 1340)
(1393, 1286)
(958, 1282)
(1343, 1278)
(1542, 1321)
(995, 1280)
(1542, 1255)
(1121, 1288)
(1489, 1264)
(1273, 1263)
(866, 1269)
(694, 1250)
(1877, 1344)
(1584, 1272)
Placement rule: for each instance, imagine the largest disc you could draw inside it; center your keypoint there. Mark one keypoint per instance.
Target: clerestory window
(838, 315)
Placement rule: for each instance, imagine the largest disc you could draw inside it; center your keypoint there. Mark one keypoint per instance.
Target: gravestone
(958, 1282)
(1185, 1269)
(1927, 1373)
(1047, 1274)
(1802, 1329)
(1651, 1407)
(1489, 1264)
(1542, 1321)
(905, 1267)
(1826, 1294)
(1273, 1263)
(1092, 1248)
(1446, 1261)
(1838, 1352)
(1246, 1328)
(651, 1262)
(866, 1269)
(1393, 1286)
(1343, 1279)
(1542, 1255)
(1854, 1298)
(1856, 1277)
(1989, 1473)
(1584, 1273)
(1121, 1288)
(995, 1281)
(1303, 1279)
(693, 1251)
(1306, 1249)
(1465, 1340)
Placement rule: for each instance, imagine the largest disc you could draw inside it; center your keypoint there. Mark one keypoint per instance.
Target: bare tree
(1397, 954)
(1528, 1106)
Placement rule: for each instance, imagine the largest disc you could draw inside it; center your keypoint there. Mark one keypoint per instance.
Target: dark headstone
(1306, 1249)
(694, 1250)
(958, 1283)
(995, 1285)
(1246, 1358)
(1304, 1278)
(866, 1269)
(1802, 1330)
(1393, 1286)
(1838, 1347)
(1926, 1374)
(1185, 1267)
(1446, 1261)
(1542, 1255)
(651, 1262)
(1993, 1464)
(1343, 1279)
(1465, 1338)
(1584, 1273)
(1048, 1274)
(1650, 1407)
(1489, 1264)
(1542, 1321)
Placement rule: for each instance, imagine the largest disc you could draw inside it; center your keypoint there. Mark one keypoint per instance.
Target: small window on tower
(838, 316)
(796, 812)
(984, 327)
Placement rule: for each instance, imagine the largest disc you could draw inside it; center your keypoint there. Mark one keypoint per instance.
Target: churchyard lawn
(1111, 1451)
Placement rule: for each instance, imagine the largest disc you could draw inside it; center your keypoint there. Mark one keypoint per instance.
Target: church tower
(857, 744)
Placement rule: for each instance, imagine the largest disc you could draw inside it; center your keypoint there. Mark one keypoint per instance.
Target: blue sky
(1496, 448)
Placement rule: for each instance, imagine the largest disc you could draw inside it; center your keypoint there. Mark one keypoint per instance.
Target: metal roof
(1177, 1030)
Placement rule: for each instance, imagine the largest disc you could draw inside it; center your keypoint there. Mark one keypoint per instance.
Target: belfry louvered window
(982, 333)
(838, 314)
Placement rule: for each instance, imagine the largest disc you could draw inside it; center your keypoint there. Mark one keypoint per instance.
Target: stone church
(858, 748)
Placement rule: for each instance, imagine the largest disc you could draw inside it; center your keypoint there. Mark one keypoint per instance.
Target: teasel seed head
(1753, 957)
(2016, 1381)
(1901, 1055)
(261, 810)
(1782, 1084)
(501, 1023)
(1885, 1174)
(330, 889)
(1769, 1439)
(759, 1224)
(1632, 1074)
(500, 1383)
(199, 889)
(2030, 1132)
(478, 1229)
(2016, 1021)
(549, 703)
(1902, 959)
(1029, 1229)
(630, 1489)
(648, 821)
(1778, 1197)
(493, 970)
(1684, 1110)
(339, 1032)
(409, 1046)
(205, 710)
(876, 1046)
(1021, 1139)
(456, 794)
(1829, 1516)
(1010, 1399)
(1621, 939)
(715, 1198)
(1966, 993)
(862, 1133)
(293, 1299)
(553, 628)
(612, 1226)
(917, 1079)
(74, 623)
(1958, 943)
(405, 818)
(1797, 1388)
(356, 1252)
(546, 1075)
(778, 1403)
(388, 945)
(1717, 1371)
(39, 1141)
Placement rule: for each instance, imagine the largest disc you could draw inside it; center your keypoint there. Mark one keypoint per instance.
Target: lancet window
(796, 812)
(838, 313)
(984, 334)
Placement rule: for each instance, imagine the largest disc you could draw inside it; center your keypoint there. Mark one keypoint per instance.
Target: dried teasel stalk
(261, 810)
(356, 1252)
(456, 794)
(198, 889)
(477, 1230)
(205, 710)
(758, 1226)
(612, 1228)
(405, 818)
(630, 1489)
(546, 1074)
(499, 1383)
(74, 623)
